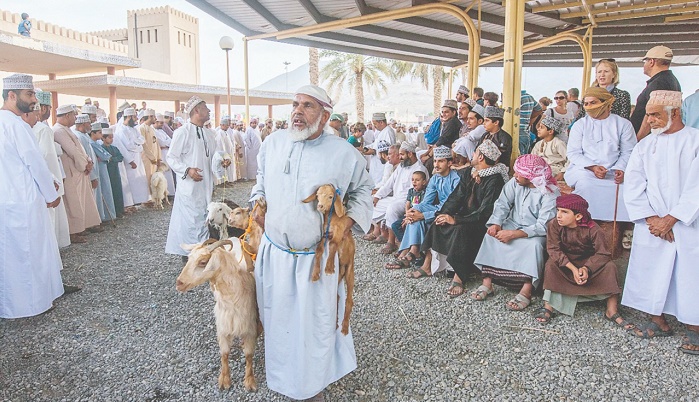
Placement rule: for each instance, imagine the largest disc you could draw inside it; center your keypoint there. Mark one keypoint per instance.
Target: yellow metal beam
(682, 17)
(512, 70)
(588, 11)
(631, 7)
(587, 59)
(642, 14)
(561, 37)
(563, 6)
(247, 81)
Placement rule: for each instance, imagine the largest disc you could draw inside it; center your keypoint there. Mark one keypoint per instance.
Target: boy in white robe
(662, 197)
(304, 349)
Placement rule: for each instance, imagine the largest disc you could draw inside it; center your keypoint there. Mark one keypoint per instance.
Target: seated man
(472, 131)
(492, 122)
(512, 254)
(599, 147)
(389, 200)
(389, 156)
(421, 215)
(460, 222)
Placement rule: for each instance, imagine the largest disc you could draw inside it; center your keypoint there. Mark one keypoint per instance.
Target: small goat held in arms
(249, 221)
(158, 186)
(218, 262)
(217, 214)
(331, 206)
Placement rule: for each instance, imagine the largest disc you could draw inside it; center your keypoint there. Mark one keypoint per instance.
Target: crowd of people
(436, 199)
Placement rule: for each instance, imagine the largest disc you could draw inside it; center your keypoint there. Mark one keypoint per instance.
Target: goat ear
(339, 206)
(310, 198)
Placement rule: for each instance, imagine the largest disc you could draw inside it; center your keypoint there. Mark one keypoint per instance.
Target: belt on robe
(305, 251)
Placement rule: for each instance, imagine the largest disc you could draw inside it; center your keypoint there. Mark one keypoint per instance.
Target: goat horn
(218, 244)
(209, 241)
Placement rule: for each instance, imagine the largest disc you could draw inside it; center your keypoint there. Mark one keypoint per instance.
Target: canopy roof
(624, 29)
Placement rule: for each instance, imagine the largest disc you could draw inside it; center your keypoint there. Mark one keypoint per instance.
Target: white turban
(318, 94)
(408, 146)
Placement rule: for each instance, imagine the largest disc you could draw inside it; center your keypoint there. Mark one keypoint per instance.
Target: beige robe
(554, 153)
(80, 203)
(151, 151)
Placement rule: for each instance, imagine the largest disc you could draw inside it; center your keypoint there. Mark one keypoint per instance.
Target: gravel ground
(129, 336)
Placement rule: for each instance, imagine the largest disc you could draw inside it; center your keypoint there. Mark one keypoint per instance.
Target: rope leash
(247, 232)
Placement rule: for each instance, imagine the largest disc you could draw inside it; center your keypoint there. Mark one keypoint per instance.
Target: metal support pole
(512, 80)
(451, 83)
(587, 60)
(228, 83)
(247, 82)
(217, 110)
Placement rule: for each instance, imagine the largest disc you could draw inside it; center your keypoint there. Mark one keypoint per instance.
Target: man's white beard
(302, 135)
(661, 130)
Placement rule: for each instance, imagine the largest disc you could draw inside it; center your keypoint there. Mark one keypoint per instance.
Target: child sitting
(550, 147)
(415, 196)
(579, 268)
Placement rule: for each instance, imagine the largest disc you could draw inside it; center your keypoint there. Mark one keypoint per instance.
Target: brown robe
(581, 246)
(79, 199)
(151, 151)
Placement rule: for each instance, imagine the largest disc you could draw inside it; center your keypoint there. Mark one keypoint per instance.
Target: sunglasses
(559, 97)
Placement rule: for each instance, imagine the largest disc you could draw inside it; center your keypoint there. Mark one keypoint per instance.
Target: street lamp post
(226, 43)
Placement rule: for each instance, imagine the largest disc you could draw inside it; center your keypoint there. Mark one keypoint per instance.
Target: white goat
(236, 304)
(158, 186)
(217, 217)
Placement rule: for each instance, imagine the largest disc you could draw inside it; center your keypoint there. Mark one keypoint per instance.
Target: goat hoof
(224, 382)
(315, 277)
(250, 384)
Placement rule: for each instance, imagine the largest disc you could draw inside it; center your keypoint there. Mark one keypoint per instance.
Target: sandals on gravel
(690, 339)
(650, 330)
(482, 293)
(420, 274)
(388, 249)
(625, 325)
(380, 240)
(455, 285)
(398, 263)
(520, 300)
(369, 237)
(543, 315)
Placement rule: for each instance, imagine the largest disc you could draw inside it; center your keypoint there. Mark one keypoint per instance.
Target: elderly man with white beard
(304, 349)
(662, 197)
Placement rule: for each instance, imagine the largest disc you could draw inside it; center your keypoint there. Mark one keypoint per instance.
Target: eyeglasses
(559, 97)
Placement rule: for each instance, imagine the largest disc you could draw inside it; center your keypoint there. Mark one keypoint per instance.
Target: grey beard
(302, 135)
(661, 130)
(406, 163)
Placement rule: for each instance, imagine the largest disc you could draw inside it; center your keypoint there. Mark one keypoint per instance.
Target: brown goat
(344, 246)
(235, 310)
(241, 218)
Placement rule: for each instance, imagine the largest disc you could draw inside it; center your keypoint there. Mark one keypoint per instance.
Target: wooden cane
(616, 209)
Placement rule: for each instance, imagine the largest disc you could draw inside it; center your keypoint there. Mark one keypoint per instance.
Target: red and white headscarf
(536, 169)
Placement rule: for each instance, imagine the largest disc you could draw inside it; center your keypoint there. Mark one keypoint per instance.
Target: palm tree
(356, 72)
(424, 73)
(313, 60)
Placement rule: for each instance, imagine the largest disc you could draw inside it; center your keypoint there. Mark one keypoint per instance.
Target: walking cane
(616, 209)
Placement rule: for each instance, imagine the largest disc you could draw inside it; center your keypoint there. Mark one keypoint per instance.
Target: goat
(242, 218)
(344, 246)
(217, 220)
(236, 303)
(158, 186)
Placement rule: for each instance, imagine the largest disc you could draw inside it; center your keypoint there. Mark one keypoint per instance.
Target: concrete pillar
(217, 110)
(269, 111)
(112, 105)
(54, 100)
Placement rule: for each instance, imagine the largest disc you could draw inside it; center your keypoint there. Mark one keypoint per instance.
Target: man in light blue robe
(304, 348)
(103, 192)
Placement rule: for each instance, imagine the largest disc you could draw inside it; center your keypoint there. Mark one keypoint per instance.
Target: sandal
(650, 330)
(543, 315)
(482, 293)
(388, 249)
(380, 240)
(690, 339)
(453, 285)
(420, 274)
(369, 237)
(623, 324)
(397, 263)
(520, 300)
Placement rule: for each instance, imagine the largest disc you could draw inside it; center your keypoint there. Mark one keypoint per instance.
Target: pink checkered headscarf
(536, 169)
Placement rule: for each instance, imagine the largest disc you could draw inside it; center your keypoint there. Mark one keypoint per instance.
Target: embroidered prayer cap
(159, 117)
(75, 109)
(553, 124)
(535, 168)
(179, 120)
(103, 120)
(337, 116)
(89, 109)
(82, 118)
(124, 106)
(64, 109)
(169, 114)
(659, 52)
(440, 152)
(129, 111)
(665, 98)
(463, 90)
(577, 204)
(141, 114)
(461, 147)
(408, 146)
(494, 112)
(471, 102)
(44, 98)
(478, 109)
(383, 146)
(451, 104)
(192, 103)
(318, 94)
(96, 126)
(18, 81)
(225, 120)
(107, 131)
(149, 112)
(378, 116)
(489, 150)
